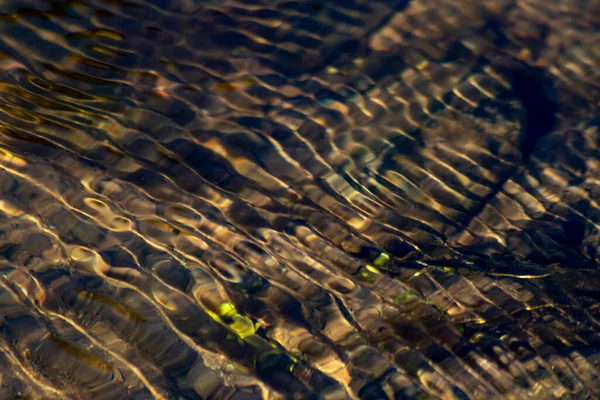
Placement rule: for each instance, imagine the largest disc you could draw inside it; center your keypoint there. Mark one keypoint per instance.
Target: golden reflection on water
(299, 199)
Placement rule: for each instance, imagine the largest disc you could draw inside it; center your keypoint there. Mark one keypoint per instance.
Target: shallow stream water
(305, 199)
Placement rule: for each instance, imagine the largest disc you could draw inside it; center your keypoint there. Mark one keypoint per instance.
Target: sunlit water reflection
(244, 199)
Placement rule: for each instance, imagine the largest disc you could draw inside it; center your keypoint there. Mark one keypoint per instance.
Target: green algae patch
(227, 315)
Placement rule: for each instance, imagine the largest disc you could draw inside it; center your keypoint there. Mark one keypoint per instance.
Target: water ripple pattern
(299, 199)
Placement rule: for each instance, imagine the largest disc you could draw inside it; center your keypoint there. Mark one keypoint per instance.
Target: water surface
(246, 199)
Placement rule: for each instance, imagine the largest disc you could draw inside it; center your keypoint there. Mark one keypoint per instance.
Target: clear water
(244, 199)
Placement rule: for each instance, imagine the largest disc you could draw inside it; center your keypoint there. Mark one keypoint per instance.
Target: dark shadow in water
(534, 90)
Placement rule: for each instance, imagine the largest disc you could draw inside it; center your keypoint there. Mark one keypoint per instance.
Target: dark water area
(299, 199)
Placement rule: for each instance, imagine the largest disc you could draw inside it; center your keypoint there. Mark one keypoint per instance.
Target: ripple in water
(243, 199)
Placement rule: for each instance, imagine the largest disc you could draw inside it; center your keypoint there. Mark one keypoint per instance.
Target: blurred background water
(269, 199)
